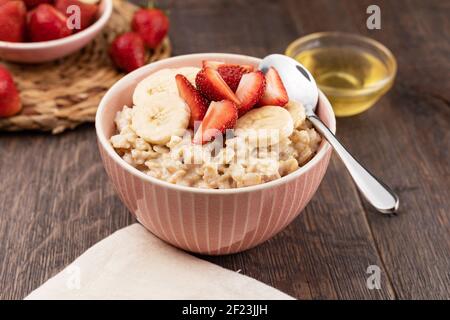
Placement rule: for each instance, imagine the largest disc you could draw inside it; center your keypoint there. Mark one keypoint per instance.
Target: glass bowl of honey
(353, 71)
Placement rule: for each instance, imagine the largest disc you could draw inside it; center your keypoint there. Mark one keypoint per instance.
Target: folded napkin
(134, 264)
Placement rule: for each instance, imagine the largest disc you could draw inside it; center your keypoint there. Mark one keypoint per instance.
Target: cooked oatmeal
(237, 161)
(179, 161)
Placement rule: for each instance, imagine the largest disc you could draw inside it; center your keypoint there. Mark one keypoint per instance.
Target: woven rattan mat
(63, 94)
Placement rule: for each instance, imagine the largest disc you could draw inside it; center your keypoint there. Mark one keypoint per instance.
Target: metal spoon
(302, 87)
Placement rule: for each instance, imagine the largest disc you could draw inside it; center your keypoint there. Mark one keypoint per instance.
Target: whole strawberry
(12, 21)
(46, 23)
(128, 51)
(9, 96)
(152, 25)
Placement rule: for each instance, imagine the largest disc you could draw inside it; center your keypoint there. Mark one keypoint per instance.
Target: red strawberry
(275, 93)
(221, 115)
(128, 51)
(45, 23)
(34, 3)
(250, 90)
(213, 87)
(12, 21)
(9, 96)
(88, 11)
(152, 24)
(230, 73)
(194, 99)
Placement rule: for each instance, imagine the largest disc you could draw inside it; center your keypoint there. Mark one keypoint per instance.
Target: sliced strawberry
(221, 115)
(194, 99)
(213, 87)
(231, 74)
(275, 93)
(250, 90)
(247, 67)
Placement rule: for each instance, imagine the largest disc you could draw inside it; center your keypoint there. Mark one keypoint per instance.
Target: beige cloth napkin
(134, 264)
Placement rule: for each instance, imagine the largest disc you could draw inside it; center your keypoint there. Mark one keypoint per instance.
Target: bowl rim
(346, 35)
(95, 27)
(107, 147)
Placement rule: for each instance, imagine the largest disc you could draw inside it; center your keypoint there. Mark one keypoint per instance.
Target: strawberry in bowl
(12, 21)
(194, 170)
(46, 23)
(34, 3)
(37, 31)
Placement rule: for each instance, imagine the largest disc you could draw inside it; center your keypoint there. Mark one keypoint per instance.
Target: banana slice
(268, 125)
(165, 115)
(297, 112)
(161, 81)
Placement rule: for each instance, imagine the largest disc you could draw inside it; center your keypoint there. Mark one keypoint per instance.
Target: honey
(351, 78)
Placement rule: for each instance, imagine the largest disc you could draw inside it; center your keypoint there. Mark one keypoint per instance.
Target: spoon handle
(379, 195)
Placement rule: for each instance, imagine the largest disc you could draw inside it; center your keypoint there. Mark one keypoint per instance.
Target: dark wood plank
(405, 139)
(415, 245)
(56, 201)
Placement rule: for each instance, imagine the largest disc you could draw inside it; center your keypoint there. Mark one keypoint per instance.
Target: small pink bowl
(206, 221)
(37, 52)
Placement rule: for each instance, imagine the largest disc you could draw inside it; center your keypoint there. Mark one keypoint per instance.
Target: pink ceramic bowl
(210, 222)
(37, 52)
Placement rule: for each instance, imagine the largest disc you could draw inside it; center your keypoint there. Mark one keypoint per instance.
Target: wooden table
(56, 200)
